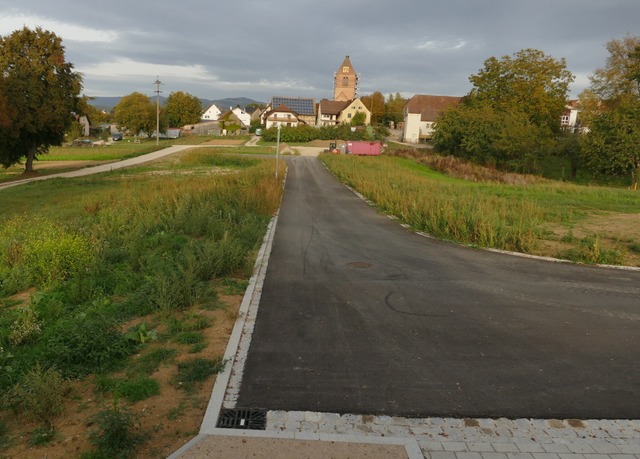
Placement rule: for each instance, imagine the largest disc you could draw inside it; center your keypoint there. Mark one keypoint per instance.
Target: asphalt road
(359, 315)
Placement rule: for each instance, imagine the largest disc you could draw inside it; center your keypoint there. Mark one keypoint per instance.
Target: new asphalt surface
(359, 315)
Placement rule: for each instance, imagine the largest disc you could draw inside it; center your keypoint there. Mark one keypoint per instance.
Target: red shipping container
(364, 148)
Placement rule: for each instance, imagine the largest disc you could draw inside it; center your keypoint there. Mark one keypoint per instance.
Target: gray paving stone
(454, 446)
(571, 456)
(580, 448)
(555, 448)
(480, 447)
(442, 455)
(546, 456)
(505, 447)
(630, 448)
(494, 455)
(605, 448)
(529, 447)
(519, 456)
(468, 455)
(430, 445)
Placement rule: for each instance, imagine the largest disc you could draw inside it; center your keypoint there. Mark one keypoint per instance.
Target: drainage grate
(243, 419)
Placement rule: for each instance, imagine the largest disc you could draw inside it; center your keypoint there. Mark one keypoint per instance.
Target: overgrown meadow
(520, 217)
(81, 257)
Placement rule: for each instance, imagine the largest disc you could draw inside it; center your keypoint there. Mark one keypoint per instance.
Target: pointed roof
(333, 107)
(430, 107)
(346, 63)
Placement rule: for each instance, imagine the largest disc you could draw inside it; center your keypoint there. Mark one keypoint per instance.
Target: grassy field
(61, 159)
(117, 295)
(581, 223)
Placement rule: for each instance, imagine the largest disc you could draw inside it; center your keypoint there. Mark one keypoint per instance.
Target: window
(564, 119)
(349, 115)
(345, 81)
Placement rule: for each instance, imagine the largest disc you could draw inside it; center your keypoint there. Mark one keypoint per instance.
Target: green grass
(510, 217)
(133, 245)
(197, 370)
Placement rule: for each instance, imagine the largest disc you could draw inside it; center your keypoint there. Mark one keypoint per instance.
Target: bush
(115, 435)
(42, 252)
(41, 395)
(86, 343)
(25, 328)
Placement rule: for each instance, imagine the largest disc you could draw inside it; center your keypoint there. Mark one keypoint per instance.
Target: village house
(334, 112)
(421, 113)
(281, 116)
(212, 113)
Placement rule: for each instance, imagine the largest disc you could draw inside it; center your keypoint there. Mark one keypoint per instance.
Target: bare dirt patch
(167, 421)
(615, 231)
(224, 142)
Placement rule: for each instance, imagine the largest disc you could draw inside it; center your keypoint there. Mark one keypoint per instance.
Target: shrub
(41, 395)
(115, 435)
(42, 436)
(43, 252)
(86, 343)
(25, 328)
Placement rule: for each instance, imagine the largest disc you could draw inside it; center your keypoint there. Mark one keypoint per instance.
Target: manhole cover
(243, 419)
(360, 264)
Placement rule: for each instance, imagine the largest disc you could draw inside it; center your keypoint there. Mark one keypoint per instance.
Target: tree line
(511, 117)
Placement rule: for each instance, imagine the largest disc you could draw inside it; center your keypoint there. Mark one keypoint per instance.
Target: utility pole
(277, 149)
(157, 83)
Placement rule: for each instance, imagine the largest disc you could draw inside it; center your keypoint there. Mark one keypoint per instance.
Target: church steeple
(345, 82)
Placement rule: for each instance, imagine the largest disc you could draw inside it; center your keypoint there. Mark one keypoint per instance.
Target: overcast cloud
(262, 48)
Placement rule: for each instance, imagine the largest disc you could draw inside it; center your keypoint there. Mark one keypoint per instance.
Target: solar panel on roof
(297, 104)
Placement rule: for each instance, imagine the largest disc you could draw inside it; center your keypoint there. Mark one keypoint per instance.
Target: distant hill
(107, 103)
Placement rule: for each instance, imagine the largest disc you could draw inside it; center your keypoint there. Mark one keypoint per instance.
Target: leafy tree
(620, 77)
(182, 108)
(358, 119)
(42, 90)
(485, 135)
(613, 144)
(395, 108)
(376, 104)
(136, 113)
(529, 81)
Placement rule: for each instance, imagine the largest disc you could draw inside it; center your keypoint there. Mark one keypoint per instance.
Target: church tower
(345, 82)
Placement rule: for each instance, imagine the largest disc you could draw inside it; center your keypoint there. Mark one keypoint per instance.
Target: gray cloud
(258, 49)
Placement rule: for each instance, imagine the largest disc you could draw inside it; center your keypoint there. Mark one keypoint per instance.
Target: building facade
(345, 82)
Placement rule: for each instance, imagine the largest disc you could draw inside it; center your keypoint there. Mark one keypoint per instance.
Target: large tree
(182, 108)
(612, 145)
(136, 113)
(620, 77)
(529, 81)
(42, 91)
(395, 108)
(376, 104)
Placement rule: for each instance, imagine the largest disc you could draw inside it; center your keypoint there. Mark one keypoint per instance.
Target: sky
(258, 49)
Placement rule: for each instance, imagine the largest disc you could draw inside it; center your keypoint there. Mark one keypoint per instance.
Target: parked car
(116, 136)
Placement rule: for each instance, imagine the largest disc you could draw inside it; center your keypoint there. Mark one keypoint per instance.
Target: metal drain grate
(243, 419)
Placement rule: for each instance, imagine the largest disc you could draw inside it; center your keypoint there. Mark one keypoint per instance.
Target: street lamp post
(157, 83)
(277, 150)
